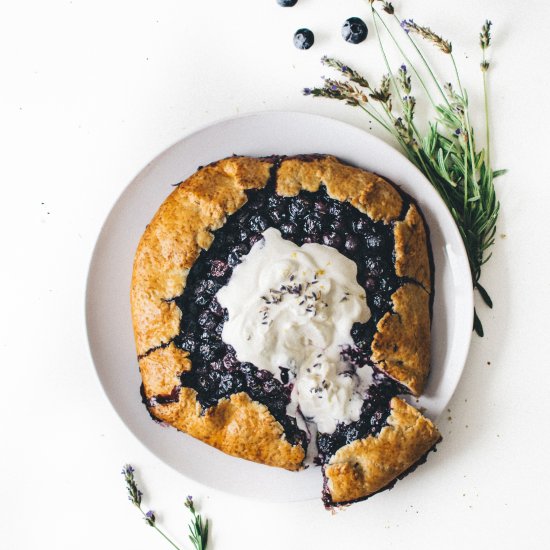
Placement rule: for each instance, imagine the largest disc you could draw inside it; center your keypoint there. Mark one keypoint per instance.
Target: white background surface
(89, 93)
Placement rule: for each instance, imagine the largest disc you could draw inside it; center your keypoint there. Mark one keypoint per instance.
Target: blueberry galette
(281, 305)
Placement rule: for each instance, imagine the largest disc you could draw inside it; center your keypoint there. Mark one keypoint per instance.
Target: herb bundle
(198, 529)
(446, 152)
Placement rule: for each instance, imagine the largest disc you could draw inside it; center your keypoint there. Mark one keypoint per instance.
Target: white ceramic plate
(107, 298)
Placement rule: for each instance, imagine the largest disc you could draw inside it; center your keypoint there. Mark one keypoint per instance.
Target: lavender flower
(134, 494)
(404, 79)
(409, 26)
(197, 528)
(485, 42)
(150, 518)
(485, 35)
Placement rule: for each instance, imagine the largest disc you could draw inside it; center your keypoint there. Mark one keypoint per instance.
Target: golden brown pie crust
(241, 427)
(365, 466)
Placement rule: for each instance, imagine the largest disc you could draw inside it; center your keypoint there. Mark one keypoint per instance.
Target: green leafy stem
(198, 529)
(446, 151)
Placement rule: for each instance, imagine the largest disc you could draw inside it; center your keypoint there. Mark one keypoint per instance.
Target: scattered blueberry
(287, 3)
(354, 30)
(303, 39)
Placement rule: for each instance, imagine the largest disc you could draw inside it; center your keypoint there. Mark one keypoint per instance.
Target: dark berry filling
(374, 414)
(306, 218)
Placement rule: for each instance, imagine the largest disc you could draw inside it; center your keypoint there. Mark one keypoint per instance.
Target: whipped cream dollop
(291, 309)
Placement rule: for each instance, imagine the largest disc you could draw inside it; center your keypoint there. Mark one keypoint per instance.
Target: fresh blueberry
(235, 256)
(207, 352)
(373, 242)
(379, 301)
(375, 266)
(207, 321)
(360, 226)
(321, 207)
(258, 224)
(354, 30)
(270, 386)
(332, 239)
(188, 343)
(351, 433)
(206, 286)
(274, 201)
(226, 384)
(371, 284)
(336, 208)
(298, 208)
(289, 230)
(278, 214)
(218, 268)
(338, 226)
(287, 3)
(352, 243)
(303, 39)
(312, 224)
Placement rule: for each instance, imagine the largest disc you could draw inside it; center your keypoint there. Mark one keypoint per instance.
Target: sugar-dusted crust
(161, 370)
(168, 249)
(401, 344)
(368, 192)
(411, 248)
(368, 465)
(172, 242)
(238, 426)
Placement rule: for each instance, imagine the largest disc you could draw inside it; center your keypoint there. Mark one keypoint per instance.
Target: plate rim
(88, 299)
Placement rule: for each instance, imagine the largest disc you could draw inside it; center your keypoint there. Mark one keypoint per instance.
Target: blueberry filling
(308, 217)
(374, 415)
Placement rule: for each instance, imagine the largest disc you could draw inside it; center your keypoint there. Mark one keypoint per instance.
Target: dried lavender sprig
(461, 175)
(485, 42)
(346, 70)
(134, 494)
(485, 35)
(386, 6)
(404, 79)
(343, 91)
(408, 25)
(197, 528)
(377, 17)
(135, 497)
